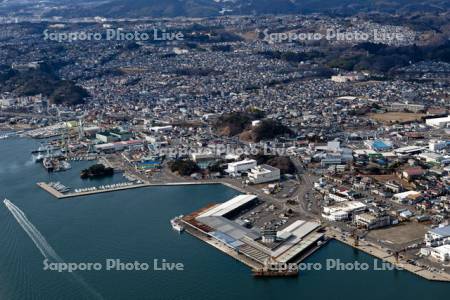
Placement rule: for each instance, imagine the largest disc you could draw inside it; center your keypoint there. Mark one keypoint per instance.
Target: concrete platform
(60, 195)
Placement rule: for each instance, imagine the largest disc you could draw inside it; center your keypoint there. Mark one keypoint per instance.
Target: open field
(401, 235)
(392, 178)
(396, 117)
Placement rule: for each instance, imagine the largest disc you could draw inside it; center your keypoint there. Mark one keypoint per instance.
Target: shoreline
(367, 248)
(376, 252)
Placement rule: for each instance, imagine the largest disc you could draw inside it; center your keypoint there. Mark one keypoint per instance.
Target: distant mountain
(147, 8)
(210, 8)
(165, 8)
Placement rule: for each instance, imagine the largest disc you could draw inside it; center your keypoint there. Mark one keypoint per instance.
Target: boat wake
(41, 243)
(37, 238)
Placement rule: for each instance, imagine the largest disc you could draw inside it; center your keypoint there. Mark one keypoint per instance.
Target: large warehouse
(231, 207)
(438, 122)
(286, 245)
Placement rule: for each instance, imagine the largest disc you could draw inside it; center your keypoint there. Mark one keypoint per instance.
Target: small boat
(64, 166)
(176, 224)
(48, 164)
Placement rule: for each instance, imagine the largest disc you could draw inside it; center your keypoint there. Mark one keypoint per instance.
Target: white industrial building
(342, 210)
(438, 122)
(263, 174)
(438, 236)
(202, 155)
(237, 167)
(441, 253)
(167, 128)
(337, 198)
(119, 146)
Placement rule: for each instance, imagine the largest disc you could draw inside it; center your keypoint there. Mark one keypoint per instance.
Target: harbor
(252, 254)
(255, 260)
(132, 211)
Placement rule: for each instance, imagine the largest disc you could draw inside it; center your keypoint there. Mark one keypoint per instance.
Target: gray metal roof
(444, 231)
(228, 227)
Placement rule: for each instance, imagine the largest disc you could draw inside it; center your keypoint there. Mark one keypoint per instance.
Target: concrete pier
(59, 195)
(50, 190)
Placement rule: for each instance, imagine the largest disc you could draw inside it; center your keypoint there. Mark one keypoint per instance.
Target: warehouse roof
(230, 205)
(444, 231)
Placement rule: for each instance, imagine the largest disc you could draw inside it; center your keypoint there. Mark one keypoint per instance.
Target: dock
(239, 255)
(225, 249)
(50, 190)
(57, 194)
(215, 225)
(384, 256)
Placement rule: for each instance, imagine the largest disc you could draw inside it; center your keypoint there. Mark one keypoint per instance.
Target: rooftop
(444, 231)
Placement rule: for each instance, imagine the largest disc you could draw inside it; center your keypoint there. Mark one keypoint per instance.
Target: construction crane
(64, 142)
(59, 114)
(397, 254)
(355, 237)
(81, 127)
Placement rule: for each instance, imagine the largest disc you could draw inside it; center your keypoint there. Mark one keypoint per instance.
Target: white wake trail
(37, 238)
(41, 243)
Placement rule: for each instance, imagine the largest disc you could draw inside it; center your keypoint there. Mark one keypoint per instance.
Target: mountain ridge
(213, 8)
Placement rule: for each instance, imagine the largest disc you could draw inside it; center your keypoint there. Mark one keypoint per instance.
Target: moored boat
(176, 224)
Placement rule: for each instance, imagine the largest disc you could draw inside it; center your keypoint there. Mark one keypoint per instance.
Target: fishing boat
(176, 224)
(48, 164)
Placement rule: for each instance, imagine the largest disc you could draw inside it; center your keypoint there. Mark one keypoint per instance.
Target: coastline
(384, 256)
(331, 234)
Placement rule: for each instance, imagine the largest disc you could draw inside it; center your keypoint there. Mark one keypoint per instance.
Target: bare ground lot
(400, 235)
(386, 178)
(396, 117)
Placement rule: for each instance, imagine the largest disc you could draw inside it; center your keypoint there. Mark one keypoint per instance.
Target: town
(317, 151)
